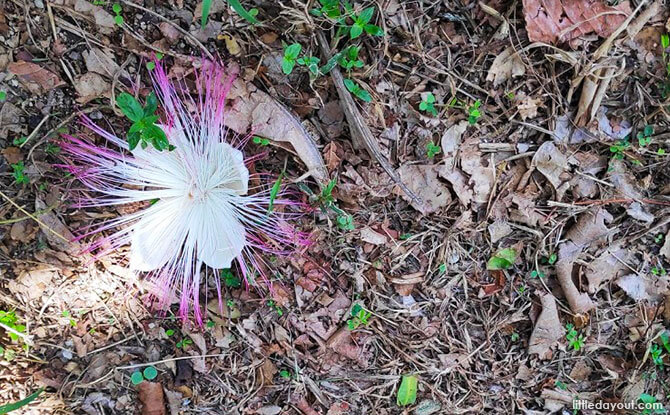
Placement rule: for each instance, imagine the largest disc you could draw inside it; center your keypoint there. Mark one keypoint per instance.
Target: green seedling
(442, 268)
(144, 130)
(474, 112)
(659, 271)
(651, 406)
(169, 332)
(260, 141)
(18, 142)
(3, 95)
(644, 136)
(656, 353)
(428, 104)
(345, 222)
(118, 19)
(551, 260)
(149, 373)
(277, 308)
(665, 43)
(18, 173)
(285, 374)
(348, 59)
(52, 149)
(357, 91)
(575, 340)
(329, 8)
(362, 22)
(514, 337)
(359, 317)
(658, 238)
(184, 343)
(291, 53)
(249, 16)
(537, 274)
(10, 320)
(619, 148)
(229, 279)
(432, 150)
(311, 63)
(274, 191)
(561, 385)
(206, 6)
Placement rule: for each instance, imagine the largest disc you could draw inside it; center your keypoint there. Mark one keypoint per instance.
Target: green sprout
(291, 53)
(260, 141)
(229, 279)
(349, 58)
(118, 19)
(3, 95)
(144, 129)
(574, 340)
(428, 104)
(359, 317)
(474, 112)
(312, 64)
(432, 150)
(18, 173)
(362, 22)
(644, 136)
(357, 91)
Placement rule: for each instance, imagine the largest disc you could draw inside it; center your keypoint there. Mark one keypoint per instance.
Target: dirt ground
(513, 261)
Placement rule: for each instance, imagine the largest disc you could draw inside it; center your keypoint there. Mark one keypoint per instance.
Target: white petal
(158, 237)
(230, 172)
(219, 234)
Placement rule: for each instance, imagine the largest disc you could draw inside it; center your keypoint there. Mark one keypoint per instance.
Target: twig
(359, 130)
(32, 216)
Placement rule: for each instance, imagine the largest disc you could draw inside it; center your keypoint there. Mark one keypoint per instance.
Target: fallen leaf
(606, 267)
(551, 162)
(624, 182)
(547, 331)
(51, 222)
(251, 107)
(10, 120)
(642, 287)
(102, 62)
(12, 154)
(450, 143)
(152, 398)
(498, 230)
(506, 66)
(481, 170)
(265, 373)
(558, 21)
(34, 78)
(373, 237)
(232, 45)
(333, 154)
(422, 181)
(528, 107)
(91, 86)
(32, 283)
(104, 21)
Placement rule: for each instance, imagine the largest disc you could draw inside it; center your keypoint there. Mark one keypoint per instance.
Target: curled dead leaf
(152, 398)
(34, 78)
(506, 66)
(422, 181)
(547, 331)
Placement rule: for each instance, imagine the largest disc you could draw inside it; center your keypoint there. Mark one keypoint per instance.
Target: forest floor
(528, 272)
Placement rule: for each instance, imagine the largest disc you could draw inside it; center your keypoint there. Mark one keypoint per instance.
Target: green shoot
(289, 60)
(3, 95)
(432, 150)
(359, 317)
(349, 58)
(428, 104)
(329, 8)
(229, 279)
(249, 16)
(18, 174)
(651, 406)
(312, 64)
(503, 259)
(275, 191)
(537, 274)
(206, 5)
(357, 91)
(644, 136)
(277, 308)
(619, 148)
(574, 340)
(184, 343)
(20, 404)
(345, 222)
(260, 141)
(474, 112)
(18, 142)
(144, 129)
(656, 353)
(118, 19)
(362, 23)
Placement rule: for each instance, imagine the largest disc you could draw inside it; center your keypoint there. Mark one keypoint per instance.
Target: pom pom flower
(198, 214)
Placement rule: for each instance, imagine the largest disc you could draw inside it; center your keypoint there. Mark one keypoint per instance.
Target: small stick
(32, 216)
(359, 130)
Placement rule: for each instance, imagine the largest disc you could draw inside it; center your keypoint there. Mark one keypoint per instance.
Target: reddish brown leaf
(558, 21)
(35, 78)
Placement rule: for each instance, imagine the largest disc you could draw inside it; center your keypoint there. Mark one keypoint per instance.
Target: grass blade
(16, 405)
(239, 9)
(275, 191)
(206, 5)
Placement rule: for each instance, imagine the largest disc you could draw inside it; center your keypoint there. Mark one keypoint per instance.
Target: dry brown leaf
(641, 287)
(102, 62)
(551, 162)
(10, 120)
(333, 155)
(606, 267)
(506, 66)
(547, 331)
(665, 249)
(373, 237)
(104, 21)
(265, 373)
(152, 398)
(91, 86)
(528, 107)
(422, 180)
(250, 107)
(558, 21)
(12, 154)
(623, 181)
(450, 143)
(481, 170)
(34, 78)
(32, 283)
(51, 221)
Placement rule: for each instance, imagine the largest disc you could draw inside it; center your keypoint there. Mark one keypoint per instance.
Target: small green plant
(502, 259)
(311, 63)
(561, 385)
(644, 136)
(52, 149)
(206, 6)
(349, 58)
(277, 308)
(4, 409)
(260, 141)
(362, 22)
(659, 271)
(619, 148)
(210, 324)
(656, 353)
(651, 406)
(144, 130)
(575, 340)
(432, 150)
(118, 19)
(249, 16)
(229, 279)
(442, 268)
(19, 141)
(3, 95)
(665, 43)
(18, 173)
(658, 238)
(474, 113)
(291, 53)
(536, 273)
(514, 337)
(551, 260)
(169, 332)
(149, 373)
(357, 91)
(407, 391)
(329, 8)
(359, 317)
(285, 374)
(9, 319)
(428, 104)
(184, 343)
(345, 222)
